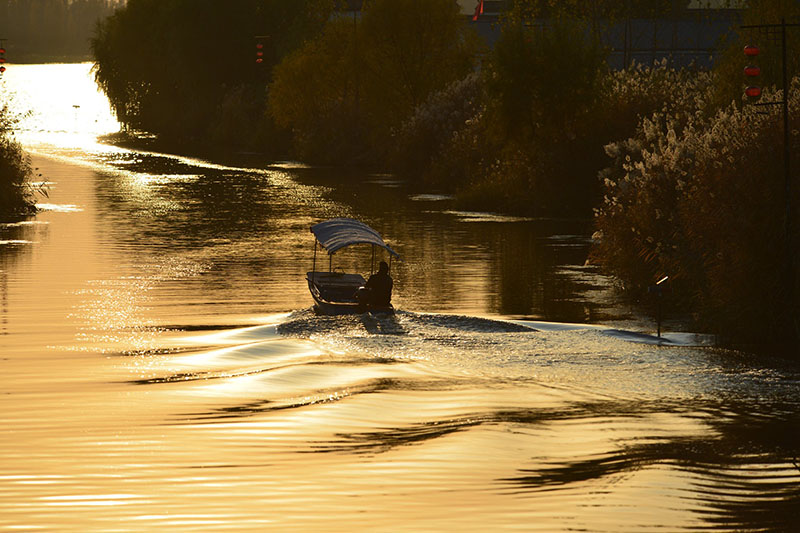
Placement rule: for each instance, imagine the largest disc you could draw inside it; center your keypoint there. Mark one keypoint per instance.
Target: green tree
(543, 74)
(410, 49)
(314, 95)
(343, 93)
(167, 66)
(544, 84)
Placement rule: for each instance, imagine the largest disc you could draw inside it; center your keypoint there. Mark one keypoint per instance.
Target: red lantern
(2, 69)
(752, 71)
(753, 92)
(2, 50)
(751, 51)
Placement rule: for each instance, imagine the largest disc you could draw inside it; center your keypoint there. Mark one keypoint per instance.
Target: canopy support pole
(314, 268)
(330, 262)
(372, 265)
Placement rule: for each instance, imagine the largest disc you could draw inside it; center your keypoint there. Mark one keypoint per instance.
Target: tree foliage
(314, 94)
(545, 74)
(167, 65)
(410, 49)
(430, 132)
(697, 193)
(345, 91)
(544, 86)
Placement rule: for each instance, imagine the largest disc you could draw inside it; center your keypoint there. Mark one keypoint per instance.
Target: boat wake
(494, 411)
(307, 324)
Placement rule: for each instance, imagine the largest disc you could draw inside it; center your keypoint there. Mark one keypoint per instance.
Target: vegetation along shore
(16, 189)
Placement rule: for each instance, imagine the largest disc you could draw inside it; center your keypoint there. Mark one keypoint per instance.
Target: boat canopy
(338, 233)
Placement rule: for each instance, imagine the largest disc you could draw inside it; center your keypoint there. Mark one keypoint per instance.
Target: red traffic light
(753, 92)
(752, 71)
(751, 51)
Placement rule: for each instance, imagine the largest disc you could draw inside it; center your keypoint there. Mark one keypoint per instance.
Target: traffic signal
(752, 72)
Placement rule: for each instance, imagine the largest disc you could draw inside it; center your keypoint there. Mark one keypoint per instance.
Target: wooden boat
(335, 292)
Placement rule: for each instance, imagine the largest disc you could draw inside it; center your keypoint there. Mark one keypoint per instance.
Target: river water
(162, 368)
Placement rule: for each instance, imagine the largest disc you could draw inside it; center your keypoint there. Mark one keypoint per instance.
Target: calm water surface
(161, 367)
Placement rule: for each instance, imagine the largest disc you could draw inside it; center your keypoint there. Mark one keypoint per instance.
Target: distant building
(688, 35)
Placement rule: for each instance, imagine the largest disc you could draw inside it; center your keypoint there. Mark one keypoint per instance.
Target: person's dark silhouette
(379, 287)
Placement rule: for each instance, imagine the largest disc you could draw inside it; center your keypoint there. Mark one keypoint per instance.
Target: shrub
(463, 158)
(505, 139)
(641, 90)
(434, 124)
(16, 192)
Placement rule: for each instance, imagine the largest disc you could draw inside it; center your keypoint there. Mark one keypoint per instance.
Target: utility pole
(784, 103)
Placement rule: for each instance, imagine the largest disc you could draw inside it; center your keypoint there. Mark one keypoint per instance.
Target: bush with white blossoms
(436, 123)
(700, 196)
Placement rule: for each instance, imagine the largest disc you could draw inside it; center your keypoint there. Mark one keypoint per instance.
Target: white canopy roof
(338, 233)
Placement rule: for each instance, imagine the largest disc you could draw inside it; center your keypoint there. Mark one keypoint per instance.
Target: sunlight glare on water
(61, 106)
(162, 368)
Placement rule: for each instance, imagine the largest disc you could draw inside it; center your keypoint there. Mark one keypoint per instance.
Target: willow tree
(167, 65)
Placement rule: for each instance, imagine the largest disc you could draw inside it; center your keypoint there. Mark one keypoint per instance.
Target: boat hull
(335, 294)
